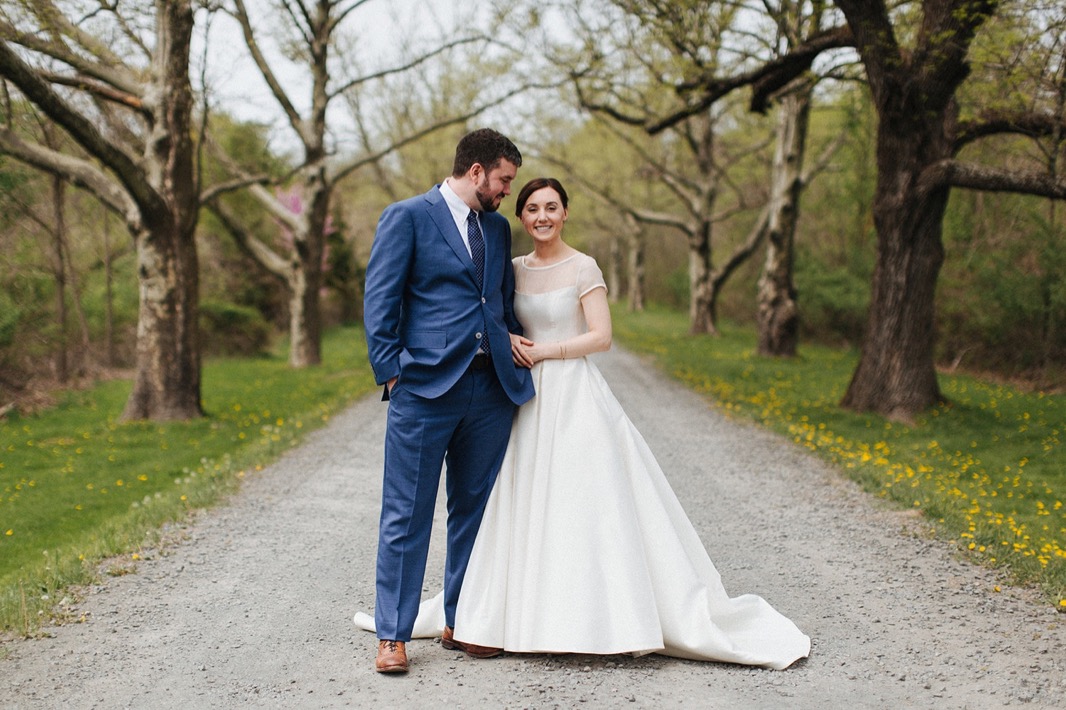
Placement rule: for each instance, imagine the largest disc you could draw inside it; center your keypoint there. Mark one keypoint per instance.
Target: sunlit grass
(987, 470)
(77, 486)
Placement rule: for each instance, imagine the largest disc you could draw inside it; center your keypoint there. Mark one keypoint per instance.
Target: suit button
(477, 335)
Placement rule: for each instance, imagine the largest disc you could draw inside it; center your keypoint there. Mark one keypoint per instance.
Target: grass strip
(77, 486)
(987, 469)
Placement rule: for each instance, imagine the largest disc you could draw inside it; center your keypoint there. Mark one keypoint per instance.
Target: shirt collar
(459, 209)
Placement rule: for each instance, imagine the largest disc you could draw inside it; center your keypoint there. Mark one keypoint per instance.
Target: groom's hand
(390, 383)
(518, 350)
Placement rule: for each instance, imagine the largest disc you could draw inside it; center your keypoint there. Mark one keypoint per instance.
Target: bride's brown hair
(536, 184)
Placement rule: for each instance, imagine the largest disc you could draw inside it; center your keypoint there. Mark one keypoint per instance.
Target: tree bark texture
(777, 309)
(896, 376)
(703, 297)
(109, 294)
(635, 270)
(305, 312)
(167, 381)
(614, 269)
(60, 275)
(147, 177)
(914, 93)
(305, 317)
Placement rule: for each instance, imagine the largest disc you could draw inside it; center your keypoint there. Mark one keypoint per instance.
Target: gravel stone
(250, 604)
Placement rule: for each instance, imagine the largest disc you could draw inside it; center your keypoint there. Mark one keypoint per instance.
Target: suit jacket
(423, 309)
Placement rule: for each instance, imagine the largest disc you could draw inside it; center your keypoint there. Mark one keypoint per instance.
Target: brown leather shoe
(447, 640)
(392, 657)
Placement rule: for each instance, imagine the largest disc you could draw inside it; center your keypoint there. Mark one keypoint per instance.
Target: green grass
(987, 470)
(77, 486)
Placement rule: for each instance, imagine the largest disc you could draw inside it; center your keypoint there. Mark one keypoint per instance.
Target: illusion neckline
(549, 266)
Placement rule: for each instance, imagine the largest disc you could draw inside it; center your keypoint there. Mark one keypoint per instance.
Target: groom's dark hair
(484, 146)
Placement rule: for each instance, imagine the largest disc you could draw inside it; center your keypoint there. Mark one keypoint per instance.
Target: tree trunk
(166, 385)
(79, 310)
(702, 299)
(305, 315)
(635, 271)
(306, 279)
(896, 376)
(778, 314)
(156, 191)
(109, 294)
(614, 270)
(1049, 330)
(59, 271)
(167, 381)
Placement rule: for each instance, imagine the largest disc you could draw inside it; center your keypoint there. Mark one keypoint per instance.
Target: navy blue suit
(425, 315)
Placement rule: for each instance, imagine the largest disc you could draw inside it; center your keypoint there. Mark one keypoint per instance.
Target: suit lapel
(442, 217)
(492, 249)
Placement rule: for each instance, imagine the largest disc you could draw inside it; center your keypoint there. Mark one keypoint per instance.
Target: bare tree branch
(824, 158)
(110, 69)
(345, 169)
(256, 185)
(106, 92)
(875, 39)
(340, 16)
(744, 250)
(685, 189)
(248, 243)
(297, 223)
(779, 72)
(127, 29)
(943, 42)
(304, 14)
(295, 120)
(1019, 123)
(699, 95)
(418, 61)
(212, 193)
(384, 178)
(663, 219)
(83, 131)
(75, 170)
(955, 173)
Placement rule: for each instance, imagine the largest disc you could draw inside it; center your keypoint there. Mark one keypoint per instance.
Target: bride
(584, 547)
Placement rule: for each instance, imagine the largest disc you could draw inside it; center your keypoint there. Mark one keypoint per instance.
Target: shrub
(833, 302)
(229, 329)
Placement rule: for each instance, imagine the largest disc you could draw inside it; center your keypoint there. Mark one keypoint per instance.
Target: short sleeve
(589, 276)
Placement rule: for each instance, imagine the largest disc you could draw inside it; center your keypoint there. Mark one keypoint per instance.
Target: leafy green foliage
(833, 302)
(1003, 299)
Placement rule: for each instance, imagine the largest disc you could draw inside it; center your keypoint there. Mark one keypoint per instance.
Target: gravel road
(251, 604)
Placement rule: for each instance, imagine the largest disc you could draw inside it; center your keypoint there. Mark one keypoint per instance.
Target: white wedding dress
(584, 547)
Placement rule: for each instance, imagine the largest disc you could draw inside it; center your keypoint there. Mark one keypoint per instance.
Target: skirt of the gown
(585, 548)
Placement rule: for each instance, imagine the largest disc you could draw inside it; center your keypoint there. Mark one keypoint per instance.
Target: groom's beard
(489, 203)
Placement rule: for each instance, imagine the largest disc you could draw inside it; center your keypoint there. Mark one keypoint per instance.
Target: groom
(438, 308)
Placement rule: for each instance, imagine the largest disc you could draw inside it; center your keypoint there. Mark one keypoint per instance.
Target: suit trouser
(466, 428)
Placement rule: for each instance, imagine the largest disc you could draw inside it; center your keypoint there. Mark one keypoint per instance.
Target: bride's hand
(518, 350)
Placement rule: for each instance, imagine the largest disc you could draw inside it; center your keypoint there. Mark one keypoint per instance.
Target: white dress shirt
(459, 210)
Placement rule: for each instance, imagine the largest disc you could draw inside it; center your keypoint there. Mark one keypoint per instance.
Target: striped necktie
(477, 253)
(477, 246)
